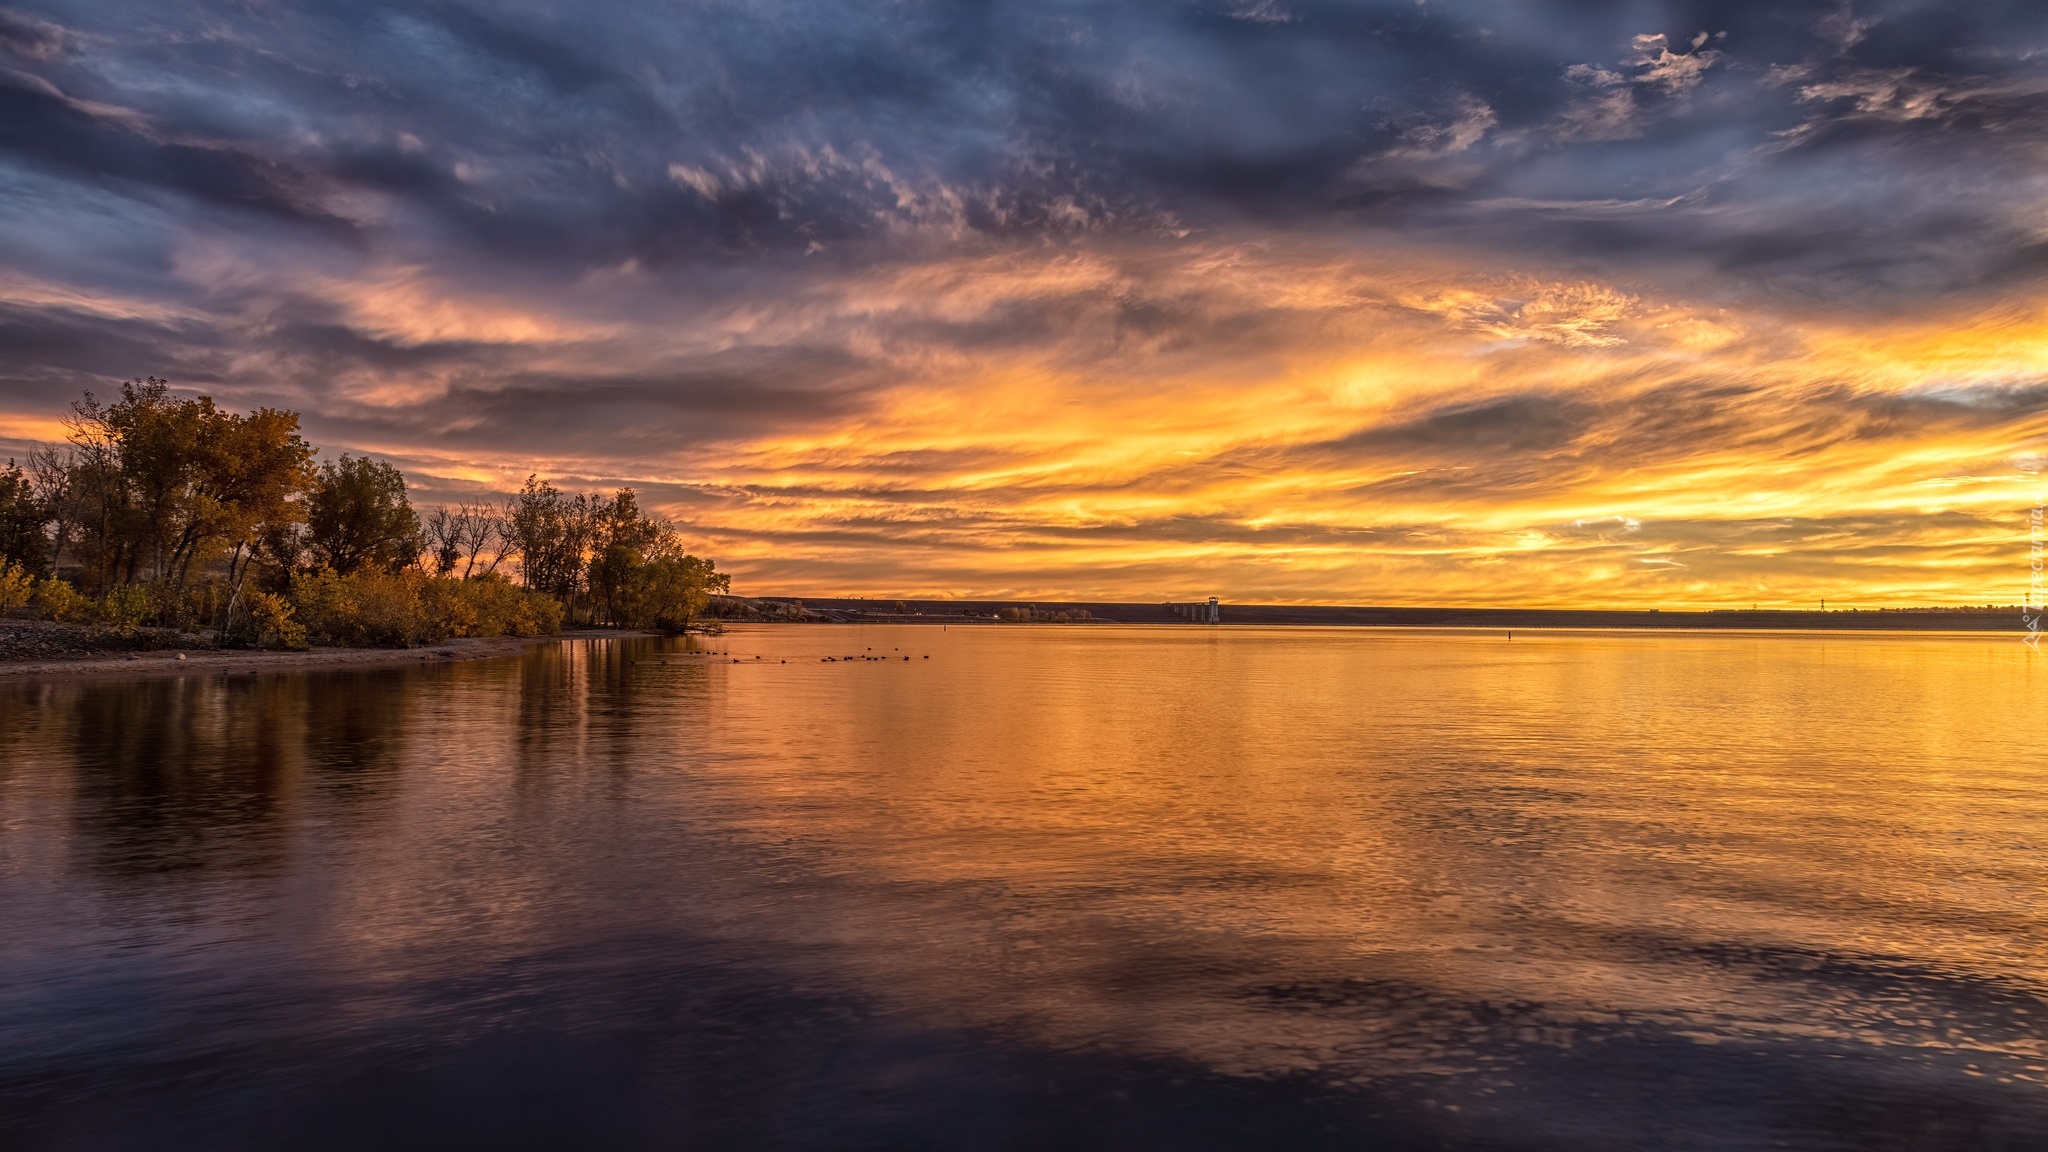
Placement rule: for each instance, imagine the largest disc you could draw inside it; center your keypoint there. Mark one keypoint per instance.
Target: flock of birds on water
(821, 660)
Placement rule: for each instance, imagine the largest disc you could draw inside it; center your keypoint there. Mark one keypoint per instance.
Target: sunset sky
(1368, 303)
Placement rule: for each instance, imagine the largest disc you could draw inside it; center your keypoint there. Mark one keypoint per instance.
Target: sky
(1544, 304)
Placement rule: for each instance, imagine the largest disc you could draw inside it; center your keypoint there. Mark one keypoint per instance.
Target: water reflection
(1093, 886)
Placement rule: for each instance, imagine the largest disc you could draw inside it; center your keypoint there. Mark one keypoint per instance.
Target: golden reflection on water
(1361, 854)
(1149, 828)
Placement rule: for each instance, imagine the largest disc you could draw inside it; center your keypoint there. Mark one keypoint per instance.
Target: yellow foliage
(60, 600)
(126, 606)
(16, 586)
(398, 610)
(272, 616)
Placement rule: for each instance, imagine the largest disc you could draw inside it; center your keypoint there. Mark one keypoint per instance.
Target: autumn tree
(258, 472)
(358, 517)
(153, 487)
(163, 450)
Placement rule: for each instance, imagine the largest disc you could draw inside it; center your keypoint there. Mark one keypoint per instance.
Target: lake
(1040, 887)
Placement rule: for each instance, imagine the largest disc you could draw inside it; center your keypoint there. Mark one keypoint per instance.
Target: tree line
(169, 510)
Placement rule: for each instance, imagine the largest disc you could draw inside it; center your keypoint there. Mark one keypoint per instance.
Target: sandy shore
(221, 662)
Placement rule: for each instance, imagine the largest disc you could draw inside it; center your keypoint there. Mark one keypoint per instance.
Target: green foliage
(640, 576)
(670, 591)
(16, 585)
(625, 567)
(370, 608)
(358, 517)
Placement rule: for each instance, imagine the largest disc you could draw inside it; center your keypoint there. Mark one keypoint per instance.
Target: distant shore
(1847, 620)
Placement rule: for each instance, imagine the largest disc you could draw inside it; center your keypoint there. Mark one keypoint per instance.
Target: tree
(256, 473)
(632, 565)
(155, 486)
(50, 468)
(551, 533)
(95, 517)
(622, 541)
(672, 590)
(464, 535)
(24, 516)
(443, 540)
(163, 447)
(358, 517)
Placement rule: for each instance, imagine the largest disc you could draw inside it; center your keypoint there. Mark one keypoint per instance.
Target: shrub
(491, 605)
(186, 609)
(545, 612)
(364, 609)
(270, 616)
(127, 606)
(443, 610)
(15, 586)
(60, 601)
(398, 610)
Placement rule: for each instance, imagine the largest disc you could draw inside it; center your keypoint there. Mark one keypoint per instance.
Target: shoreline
(1992, 619)
(244, 661)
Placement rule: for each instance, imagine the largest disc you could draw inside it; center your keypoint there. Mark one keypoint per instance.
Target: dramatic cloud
(1395, 302)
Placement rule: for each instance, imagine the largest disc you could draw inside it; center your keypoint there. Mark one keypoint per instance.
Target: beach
(62, 657)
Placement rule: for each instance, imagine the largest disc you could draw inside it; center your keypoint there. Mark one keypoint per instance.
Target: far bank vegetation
(169, 512)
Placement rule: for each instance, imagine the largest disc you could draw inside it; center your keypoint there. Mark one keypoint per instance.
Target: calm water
(1110, 887)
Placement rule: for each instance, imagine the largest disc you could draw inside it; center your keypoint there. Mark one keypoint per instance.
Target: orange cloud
(1281, 422)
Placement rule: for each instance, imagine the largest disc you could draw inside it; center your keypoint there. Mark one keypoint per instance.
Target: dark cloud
(41, 125)
(1843, 149)
(35, 341)
(519, 413)
(28, 38)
